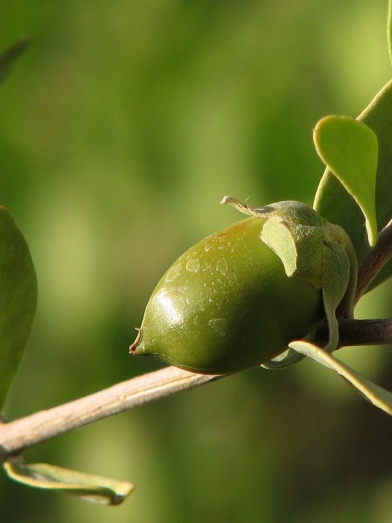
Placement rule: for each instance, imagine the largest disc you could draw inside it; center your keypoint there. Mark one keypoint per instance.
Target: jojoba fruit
(228, 304)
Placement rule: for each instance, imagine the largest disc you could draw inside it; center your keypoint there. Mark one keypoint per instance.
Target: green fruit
(228, 303)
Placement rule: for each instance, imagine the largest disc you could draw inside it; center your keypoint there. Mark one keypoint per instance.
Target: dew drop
(173, 273)
(219, 325)
(206, 266)
(193, 265)
(221, 266)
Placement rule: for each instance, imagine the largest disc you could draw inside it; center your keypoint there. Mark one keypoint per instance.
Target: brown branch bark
(359, 332)
(374, 261)
(17, 436)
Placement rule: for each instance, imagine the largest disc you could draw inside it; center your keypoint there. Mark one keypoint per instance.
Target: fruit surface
(227, 305)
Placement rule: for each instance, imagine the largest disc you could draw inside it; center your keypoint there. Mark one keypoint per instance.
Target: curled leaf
(96, 489)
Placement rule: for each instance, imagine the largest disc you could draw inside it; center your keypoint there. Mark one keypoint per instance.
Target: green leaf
(380, 397)
(10, 55)
(18, 299)
(350, 150)
(336, 205)
(96, 489)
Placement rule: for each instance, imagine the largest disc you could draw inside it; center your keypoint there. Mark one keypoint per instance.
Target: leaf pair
(357, 177)
(357, 181)
(356, 187)
(356, 193)
(18, 301)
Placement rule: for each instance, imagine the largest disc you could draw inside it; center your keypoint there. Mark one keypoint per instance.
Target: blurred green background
(120, 130)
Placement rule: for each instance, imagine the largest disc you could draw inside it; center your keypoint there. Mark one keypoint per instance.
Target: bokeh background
(120, 130)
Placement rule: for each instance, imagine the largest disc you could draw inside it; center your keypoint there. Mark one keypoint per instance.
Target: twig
(374, 261)
(17, 436)
(21, 434)
(358, 332)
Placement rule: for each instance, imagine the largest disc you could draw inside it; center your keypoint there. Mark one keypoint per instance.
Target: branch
(358, 332)
(374, 261)
(21, 434)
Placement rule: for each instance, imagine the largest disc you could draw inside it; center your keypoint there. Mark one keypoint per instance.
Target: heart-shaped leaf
(350, 149)
(97, 489)
(10, 55)
(380, 397)
(18, 299)
(336, 205)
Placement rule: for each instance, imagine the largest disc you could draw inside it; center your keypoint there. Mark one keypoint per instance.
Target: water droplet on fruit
(219, 325)
(221, 266)
(193, 265)
(173, 273)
